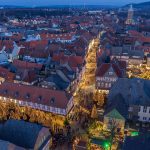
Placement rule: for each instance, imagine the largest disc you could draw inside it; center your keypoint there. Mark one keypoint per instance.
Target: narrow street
(87, 83)
(88, 80)
(86, 86)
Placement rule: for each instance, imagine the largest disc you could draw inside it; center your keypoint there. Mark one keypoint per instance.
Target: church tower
(130, 20)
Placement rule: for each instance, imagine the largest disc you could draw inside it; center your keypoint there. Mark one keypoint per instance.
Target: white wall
(142, 114)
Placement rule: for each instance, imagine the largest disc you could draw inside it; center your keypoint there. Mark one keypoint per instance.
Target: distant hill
(10, 6)
(59, 6)
(143, 5)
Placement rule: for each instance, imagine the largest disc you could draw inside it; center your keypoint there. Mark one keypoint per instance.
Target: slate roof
(117, 107)
(135, 91)
(62, 85)
(21, 133)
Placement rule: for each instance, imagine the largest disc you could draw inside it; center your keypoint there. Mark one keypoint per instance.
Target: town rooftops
(5, 73)
(20, 133)
(34, 94)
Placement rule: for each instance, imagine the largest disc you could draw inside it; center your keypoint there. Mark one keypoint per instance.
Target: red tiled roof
(104, 68)
(41, 43)
(26, 65)
(143, 48)
(74, 61)
(60, 98)
(144, 39)
(134, 33)
(5, 73)
(27, 75)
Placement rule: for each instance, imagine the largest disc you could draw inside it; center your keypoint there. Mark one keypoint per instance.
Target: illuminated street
(87, 83)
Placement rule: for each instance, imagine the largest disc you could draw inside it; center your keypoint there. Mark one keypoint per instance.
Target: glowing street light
(134, 133)
(106, 145)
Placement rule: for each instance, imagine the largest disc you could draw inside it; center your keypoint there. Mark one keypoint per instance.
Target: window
(139, 108)
(52, 100)
(144, 109)
(40, 98)
(5, 91)
(27, 96)
(130, 108)
(16, 94)
(110, 73)
(144, 118)
(109, 84)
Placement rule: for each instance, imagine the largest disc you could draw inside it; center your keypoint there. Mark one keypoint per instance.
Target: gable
(110, 72)
(114, 114)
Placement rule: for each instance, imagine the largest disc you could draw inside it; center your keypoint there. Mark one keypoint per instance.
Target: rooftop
(20, 133)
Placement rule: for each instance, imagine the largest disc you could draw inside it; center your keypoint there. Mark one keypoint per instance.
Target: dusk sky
(66, 2)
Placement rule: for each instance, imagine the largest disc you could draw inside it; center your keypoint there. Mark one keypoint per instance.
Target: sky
(67, 2)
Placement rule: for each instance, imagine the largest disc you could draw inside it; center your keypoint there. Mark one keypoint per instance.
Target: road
(86, 85)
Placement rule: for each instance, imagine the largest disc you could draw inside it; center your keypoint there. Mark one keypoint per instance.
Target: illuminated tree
(11, 110)
(94, 114)
(145, 75)
(99, 98)
(2, 111)
(66, 122)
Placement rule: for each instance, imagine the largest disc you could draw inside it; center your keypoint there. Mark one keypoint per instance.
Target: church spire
(130, 20)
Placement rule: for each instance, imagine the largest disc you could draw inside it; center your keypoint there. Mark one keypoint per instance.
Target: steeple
(131, 8)
(130, 20)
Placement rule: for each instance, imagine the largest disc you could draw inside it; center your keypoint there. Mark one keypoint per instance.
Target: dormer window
(5, 91)
(40, 98)
(52, 100)
(27, 95)
(16, 94)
